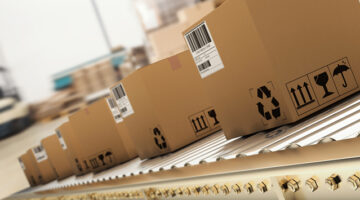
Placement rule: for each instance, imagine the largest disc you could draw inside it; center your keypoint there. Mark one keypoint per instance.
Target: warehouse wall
(41, 37)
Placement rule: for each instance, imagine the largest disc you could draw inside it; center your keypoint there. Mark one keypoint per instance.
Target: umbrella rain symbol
(340, 69)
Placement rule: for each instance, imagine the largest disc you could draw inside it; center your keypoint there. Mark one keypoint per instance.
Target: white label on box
(22, 164)
(203, 50)
(115, 110)
(122, 101)
(39, 153)
(61, 140)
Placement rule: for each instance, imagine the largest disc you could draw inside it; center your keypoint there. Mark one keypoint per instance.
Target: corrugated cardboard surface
(31, 171)
(166, 96)
(74, 148)
(282, 50)
(129, 145)
(46, 170)
(102, 146)
(57, 156)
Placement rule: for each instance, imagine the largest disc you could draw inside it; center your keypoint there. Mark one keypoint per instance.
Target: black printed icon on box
(341, 69)
(94, 163)
(86, 164)
(102, 159)
(305, 97)
(267, 104)
(264, 92)
(159, 139)
(199, 123)
(323, 85)
(321, 80)
(204, 121)
(343, 76)
(78, 165)
(302, 94)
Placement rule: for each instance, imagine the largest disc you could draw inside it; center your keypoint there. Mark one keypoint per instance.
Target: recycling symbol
(159, 139)
(265, 94)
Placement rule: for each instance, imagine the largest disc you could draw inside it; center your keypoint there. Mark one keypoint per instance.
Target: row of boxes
(168, 110)
(248, 67)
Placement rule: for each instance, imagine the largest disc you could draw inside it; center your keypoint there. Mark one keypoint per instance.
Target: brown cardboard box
(30, 169)
(164, 107)
(268, 63)
(72, 145)
(122, 130)
(103, 146)
(39, 156)
(57, 156)
(193, 13)
(161, 38)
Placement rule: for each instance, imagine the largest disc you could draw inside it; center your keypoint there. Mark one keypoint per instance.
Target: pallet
(63, 113)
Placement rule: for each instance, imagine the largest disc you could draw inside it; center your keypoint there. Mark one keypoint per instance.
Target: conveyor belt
(336, 123)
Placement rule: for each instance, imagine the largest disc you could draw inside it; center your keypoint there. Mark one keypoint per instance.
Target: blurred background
(58, 56)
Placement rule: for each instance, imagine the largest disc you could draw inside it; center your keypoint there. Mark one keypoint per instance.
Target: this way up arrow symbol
(295, 97)
(301, 93)
(307, 90)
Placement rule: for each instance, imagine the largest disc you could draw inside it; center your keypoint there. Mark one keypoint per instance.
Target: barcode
(198, 38)
(124, 109)
(119, 92)
(58, 134)
(38, 149)
(204, 65)
(111, 103)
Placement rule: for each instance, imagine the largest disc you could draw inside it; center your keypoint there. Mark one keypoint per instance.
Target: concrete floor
(12, 178)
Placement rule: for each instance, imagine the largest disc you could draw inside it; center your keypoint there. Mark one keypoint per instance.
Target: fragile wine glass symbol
(321, 80)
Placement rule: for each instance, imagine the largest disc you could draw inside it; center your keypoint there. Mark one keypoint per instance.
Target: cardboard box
(164, 106)
(81, 82)
(39, 156)
(30, 169)
(193, 13)
(161, 38)
(102, 145)
(72, 146)
(269, 63)
(57, 156)
(122, 130)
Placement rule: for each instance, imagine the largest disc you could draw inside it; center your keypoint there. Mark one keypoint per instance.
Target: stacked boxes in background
(160, 39)
(57, 156)
(268, 63)
(94, 78)
(164, 106)
(102, 145)
(40, 158)
(193, 13)
(30, 169)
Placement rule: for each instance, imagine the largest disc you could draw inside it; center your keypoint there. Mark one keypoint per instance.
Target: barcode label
(122, 101)
(61, 140)
(123, 109)
(22, 164)
(119, 92)
(198, 38)
(39, 153)
(204, 66)
(114, 110)
(203, 50)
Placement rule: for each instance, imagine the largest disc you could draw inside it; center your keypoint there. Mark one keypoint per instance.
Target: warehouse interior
(179, 99)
